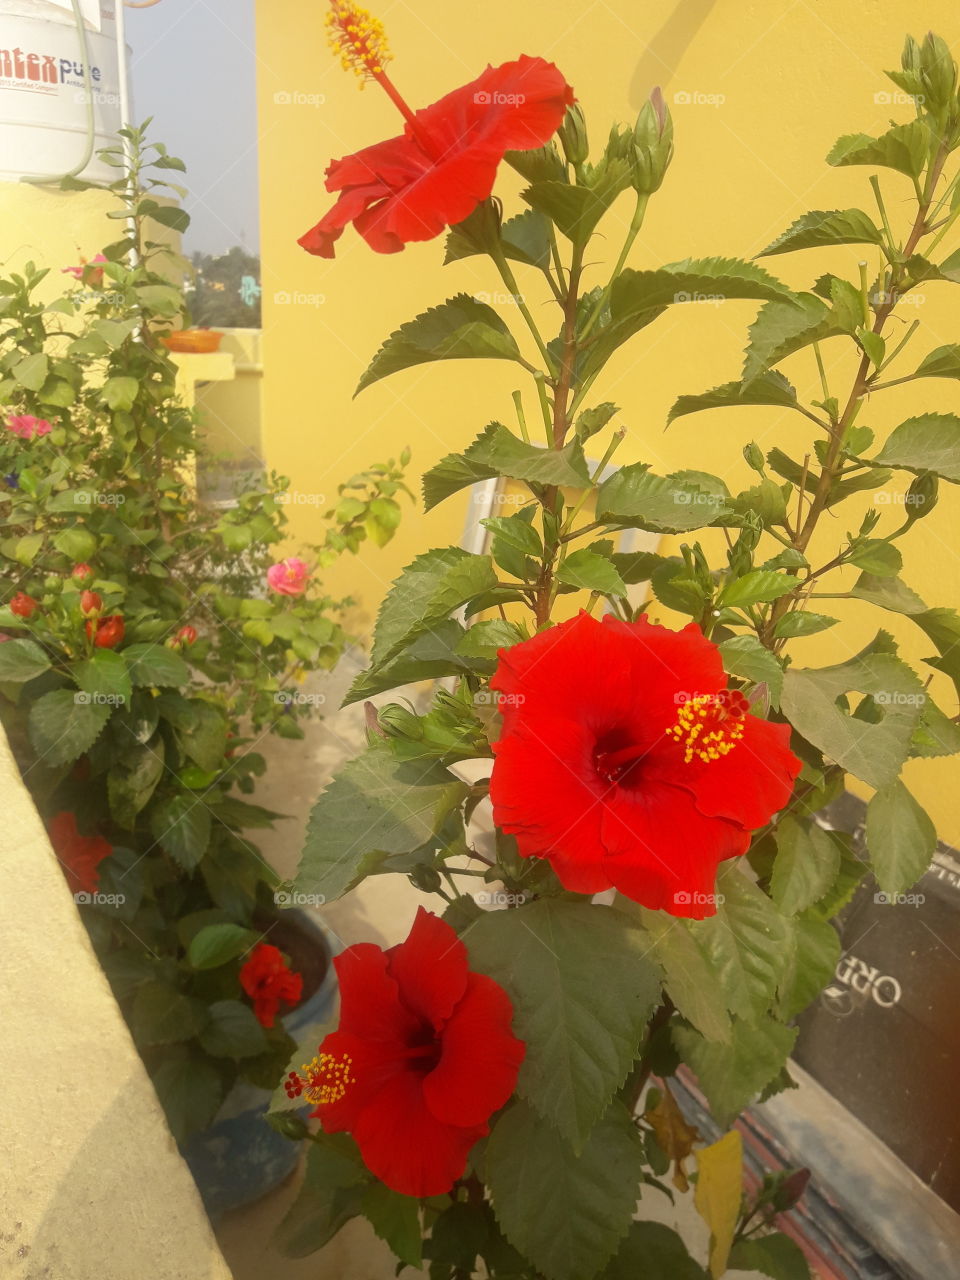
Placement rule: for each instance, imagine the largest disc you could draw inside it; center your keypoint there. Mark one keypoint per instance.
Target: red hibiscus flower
(444, 163)
(80, 856)
(267, 979)
(24, 606)
(106, 633)
(423, 1056)
(627, 762)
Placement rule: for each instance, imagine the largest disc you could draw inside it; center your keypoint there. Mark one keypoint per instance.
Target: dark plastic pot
(240, 1158)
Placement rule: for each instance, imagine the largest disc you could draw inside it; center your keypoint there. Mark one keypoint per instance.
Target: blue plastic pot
(240, 1158)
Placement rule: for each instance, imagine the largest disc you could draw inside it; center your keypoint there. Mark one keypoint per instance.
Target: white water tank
(43, 98)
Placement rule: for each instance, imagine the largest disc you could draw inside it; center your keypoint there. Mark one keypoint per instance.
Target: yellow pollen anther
(325, 1078)
(709, 726)
(357, 38)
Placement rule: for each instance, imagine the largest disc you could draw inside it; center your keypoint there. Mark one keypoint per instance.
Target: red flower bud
(90, 603)
(106, 633)
(186, 635)
(81, 572)
(24, 606)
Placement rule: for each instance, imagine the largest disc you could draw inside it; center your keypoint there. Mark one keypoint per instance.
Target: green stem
(521, 419)
(636, 223)
(510, 280)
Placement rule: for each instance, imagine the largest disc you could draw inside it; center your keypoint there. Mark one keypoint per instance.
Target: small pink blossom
(77, 272)
(289, 577)
(26, 426)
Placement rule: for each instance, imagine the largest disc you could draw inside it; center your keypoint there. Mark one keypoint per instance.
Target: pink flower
(26, 426)
(96, 275)
(289, 577)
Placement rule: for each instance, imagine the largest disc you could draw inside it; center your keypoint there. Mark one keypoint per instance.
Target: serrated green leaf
(104, 676)
(190, 1088)
(460, 328)
(216, 944)
(181, 826)
(814, 955)
(582, 993)
(904, 148)
(689, 977)
(943, 362)
(591, 572)
(434, 654)
(31, 372)
(635, 498)
(801, 622)
(63, 727)
(901, 839)
(732, 1075)
(825, 227)
(746, 657)
(770, 388)
(154, 664)
(653, 1251)
(331, 1194)
(120, 392)
(806, 865)
(930, 442)
(21, 660)
(781, 328)
(572, 1232)
(755, 587)
(232, 1032)
(878, 558)
(163, 1015)
(396, 1220)
(888, 593)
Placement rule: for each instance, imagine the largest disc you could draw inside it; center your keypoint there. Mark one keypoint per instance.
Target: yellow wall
(792, 76)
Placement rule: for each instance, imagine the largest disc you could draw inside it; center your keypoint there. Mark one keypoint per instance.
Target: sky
(192, 68)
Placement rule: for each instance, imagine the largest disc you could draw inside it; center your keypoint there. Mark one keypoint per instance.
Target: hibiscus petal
(430, 968)
(372, 1065)
(406, 1146)
(546, 793)
(441, 196)
(480, 1057)
(320, 239)
(751, 782)
(370, 1004)
(662, 852)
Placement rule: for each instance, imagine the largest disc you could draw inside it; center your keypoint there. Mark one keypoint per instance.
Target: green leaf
(746, 657)
(904, 148)
(21, 660)
(759, 585)
(879, 558)
(120, 392)
(204, 736)
(901, 839)
(813, 959)
(592, 572)
(593, 420)
(76, 542)
(331, 1194)
(582, 993)
(732, 1075)
(375, 804)
(427, 592)
(169, 215)
(689, 978)
(936, 734)
(28, 548)
(770, 388)
(635, 292)
(930, 442)
(575, 211)
(436, 653)
(781, 328)
(105, 676)
(516, 532)
(943, 628)
(888, 593)
(233, 1031)
(872, 752)
(572, 1232)
(943, 362)
(775, 1255)
(744, 943)
(163, 1015)
(63, 728)
(460, 328)
(133, 779)
(801, 622)
(497, 452)
(215, 944)
(190, 1089)
(825, 227)
(635, 498)
(31, 372)
(181, 826)
(525, 238)
(153, 664)
(806, 866)
(718, 1195)
(653, 1251)
(396, 1220)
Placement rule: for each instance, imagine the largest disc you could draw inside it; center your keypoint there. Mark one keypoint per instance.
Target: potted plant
(150, 643)
(484, 1099)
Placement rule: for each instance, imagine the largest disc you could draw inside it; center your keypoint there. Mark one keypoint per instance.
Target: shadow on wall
(665, 51)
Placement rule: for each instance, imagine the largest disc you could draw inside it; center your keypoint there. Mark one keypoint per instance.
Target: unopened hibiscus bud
(426, 879)
(922, 496)
(790, 1190)
(289, 1124)
(81, 572)
(399, 722)
(938, 73)
(106, 633)
(573, 135)
(753, 456)
(653, 145)
(185, 636)
(90, 603)
(24, 606)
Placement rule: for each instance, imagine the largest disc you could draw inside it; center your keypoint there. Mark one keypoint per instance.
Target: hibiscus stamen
(325, 1079)
(710, 725)
(358, 39)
